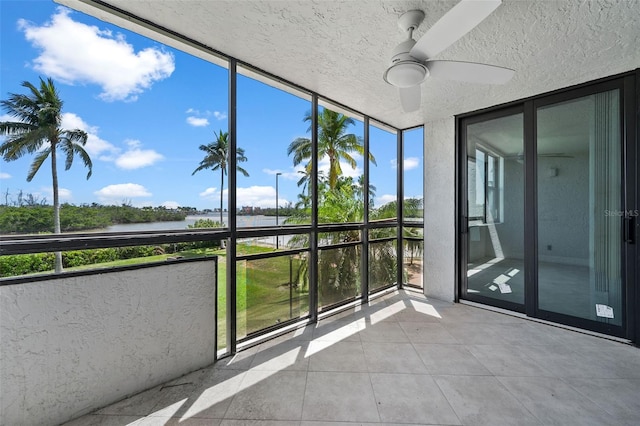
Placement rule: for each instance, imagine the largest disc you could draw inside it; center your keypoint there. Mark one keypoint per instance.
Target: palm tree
(333, 142)
(37, 131)
(359, 190)
(216, 156)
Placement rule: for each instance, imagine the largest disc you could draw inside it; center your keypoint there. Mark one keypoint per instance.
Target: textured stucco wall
(439, 208)
(70, 345)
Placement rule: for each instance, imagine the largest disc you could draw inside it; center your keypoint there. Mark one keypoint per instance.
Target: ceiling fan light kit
(406, 74)
(411, 62)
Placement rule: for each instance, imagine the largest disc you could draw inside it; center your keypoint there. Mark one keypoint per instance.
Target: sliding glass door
(495, 210)
(547, 223)
(580, 208)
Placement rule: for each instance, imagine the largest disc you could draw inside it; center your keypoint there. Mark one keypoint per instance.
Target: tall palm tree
(359, 190)
(37, 131)
(333, 142)
(216, 158)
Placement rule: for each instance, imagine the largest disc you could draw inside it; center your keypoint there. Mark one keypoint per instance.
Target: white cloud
(209, 193)
(78, 53)
(197, 122)
(4, 175)
(96, 146)
(133, 143)
(136, 158)
(409, 163)
(347, 170)
(64, 194)
(417, 196)
(291, 175)
(170, 204)
(120, 192)
(199, 118)
(384, 199)
(258, 196)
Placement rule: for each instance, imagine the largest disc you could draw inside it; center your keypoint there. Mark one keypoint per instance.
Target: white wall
(439, 209)
(71, 345)
(563, 210)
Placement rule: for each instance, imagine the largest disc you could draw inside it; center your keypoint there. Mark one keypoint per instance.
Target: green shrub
(22, 264)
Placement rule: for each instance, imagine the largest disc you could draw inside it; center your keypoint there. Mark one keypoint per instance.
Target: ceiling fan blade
(458, 21)
(410, 98)
(470, 72)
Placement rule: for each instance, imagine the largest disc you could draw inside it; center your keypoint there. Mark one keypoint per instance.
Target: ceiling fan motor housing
(405, 71)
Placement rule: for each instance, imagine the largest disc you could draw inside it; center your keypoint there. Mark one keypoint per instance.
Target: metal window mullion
(530, 209)
(485, 184)
(365, 217)
(313, 236)
(231, 217)
(400, 213)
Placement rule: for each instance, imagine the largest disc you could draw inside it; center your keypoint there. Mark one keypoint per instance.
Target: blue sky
(147, 107)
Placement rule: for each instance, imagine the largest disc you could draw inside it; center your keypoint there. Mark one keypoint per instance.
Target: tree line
(39, 218)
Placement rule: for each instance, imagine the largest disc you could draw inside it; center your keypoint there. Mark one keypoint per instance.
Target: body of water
(243, 222)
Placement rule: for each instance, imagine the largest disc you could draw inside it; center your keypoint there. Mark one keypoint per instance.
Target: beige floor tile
(338, 396)
(483, 400)
(427, 333)
(620, 398)
(269, 395)
(507, 360)
(411, 398)
(336, 356)
(554, 402)
(440, 359)
(392, 358)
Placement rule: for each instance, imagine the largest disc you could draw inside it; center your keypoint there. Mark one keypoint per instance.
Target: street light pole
(277, 174)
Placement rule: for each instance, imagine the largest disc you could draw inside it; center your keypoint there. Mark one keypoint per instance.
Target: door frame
(461, 202)
(629, 90)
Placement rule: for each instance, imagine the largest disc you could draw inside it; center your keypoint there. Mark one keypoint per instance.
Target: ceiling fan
(411, 63)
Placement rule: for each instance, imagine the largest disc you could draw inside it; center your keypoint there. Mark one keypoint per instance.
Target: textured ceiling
(340, 48)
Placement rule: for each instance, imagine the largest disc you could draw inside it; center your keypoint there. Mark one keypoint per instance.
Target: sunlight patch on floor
(425, 308)
(387, 312)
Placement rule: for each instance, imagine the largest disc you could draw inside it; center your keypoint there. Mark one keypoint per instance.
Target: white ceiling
(340, 48)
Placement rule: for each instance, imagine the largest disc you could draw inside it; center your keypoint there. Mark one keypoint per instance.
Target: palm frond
(86, 159)
(18, 145)
(37, 163)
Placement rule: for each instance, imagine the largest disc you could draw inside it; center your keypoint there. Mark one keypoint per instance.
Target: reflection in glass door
(580, 204)
(495, 211)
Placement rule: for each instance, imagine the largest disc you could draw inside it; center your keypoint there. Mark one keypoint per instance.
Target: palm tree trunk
(221, 192)
(56, 206)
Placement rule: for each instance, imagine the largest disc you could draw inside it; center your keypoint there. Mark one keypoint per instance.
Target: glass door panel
(579, 193)
(495, 209)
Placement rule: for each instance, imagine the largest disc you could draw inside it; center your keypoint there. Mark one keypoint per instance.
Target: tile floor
(404, 359)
